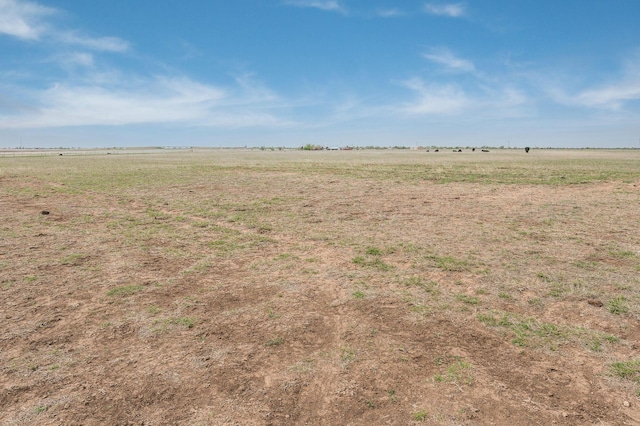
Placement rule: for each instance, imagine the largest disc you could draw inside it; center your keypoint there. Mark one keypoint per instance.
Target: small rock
(44, 212)
(595, 302)
(626, 404)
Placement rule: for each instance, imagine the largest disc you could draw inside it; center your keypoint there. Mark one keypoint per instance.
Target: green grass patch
(618, 305)
(458, 371)
(275, 342)
(449, 263)
(72, 259)
(164, 325)
(358, 294)
(422, 283)
(529, 332)
(469, 300)
(420, 416)
(369, 262)
(125, 290)
(627, 370)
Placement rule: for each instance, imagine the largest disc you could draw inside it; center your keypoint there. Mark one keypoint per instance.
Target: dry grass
(284, 287)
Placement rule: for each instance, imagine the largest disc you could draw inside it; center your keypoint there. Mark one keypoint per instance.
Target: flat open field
(238, 287)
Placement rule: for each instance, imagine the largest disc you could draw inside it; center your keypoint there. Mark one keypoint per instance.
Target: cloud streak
(26, 21)
(389, 13)
(435, 99)
(614, 94)
(160, 100)
(104, 44)
(451, 10)
(610, 97)
(450, 61)
(327, 5)
(23, 19)
(438, 99)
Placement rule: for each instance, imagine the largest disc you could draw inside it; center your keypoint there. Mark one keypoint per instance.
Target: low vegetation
(297, 287)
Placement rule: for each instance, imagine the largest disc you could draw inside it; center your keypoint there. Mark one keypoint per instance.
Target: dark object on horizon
(44, 212)
(437, 150)
(459, 150)
(473, 149)
(60, 155)
(526, 149)
(485, 150)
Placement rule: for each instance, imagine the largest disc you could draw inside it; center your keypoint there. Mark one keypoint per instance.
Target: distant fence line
(82, 152)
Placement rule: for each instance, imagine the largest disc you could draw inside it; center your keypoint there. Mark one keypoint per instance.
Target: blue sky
(78, 73)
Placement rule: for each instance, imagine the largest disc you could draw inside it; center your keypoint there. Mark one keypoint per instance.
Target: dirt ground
(288, 296)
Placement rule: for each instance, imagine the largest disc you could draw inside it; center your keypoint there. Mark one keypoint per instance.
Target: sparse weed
(126, 290)
(72, 259)
(164, 325)
(420, 416)
(622, 254)
(415, 281)
(469, 300)
(347, 355)
(618, 305)
(627, 370)
(449, 263)
(543, 277)
(421, 309)
(529, 332)
(304, 366)
(358, 294)
(376, 263)
(373, 251)
(458, 371)
(275, 342)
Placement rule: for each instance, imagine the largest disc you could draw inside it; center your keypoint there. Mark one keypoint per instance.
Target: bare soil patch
(352, 288)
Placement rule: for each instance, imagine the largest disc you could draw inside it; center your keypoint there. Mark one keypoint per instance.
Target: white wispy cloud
(449, 60)
(27, 20)
(254, 90)
(435, 99)
(106, 44)
(75, 59)
(328, 5)
(612, 96)
(389, 13)
(452, 10)
(23, 19)
(159, 100)
(448, 99)
(614, 93)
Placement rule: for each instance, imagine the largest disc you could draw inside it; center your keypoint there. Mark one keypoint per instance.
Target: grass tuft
(126, 290)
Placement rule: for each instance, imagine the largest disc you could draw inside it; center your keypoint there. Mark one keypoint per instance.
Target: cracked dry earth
(256, 296)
